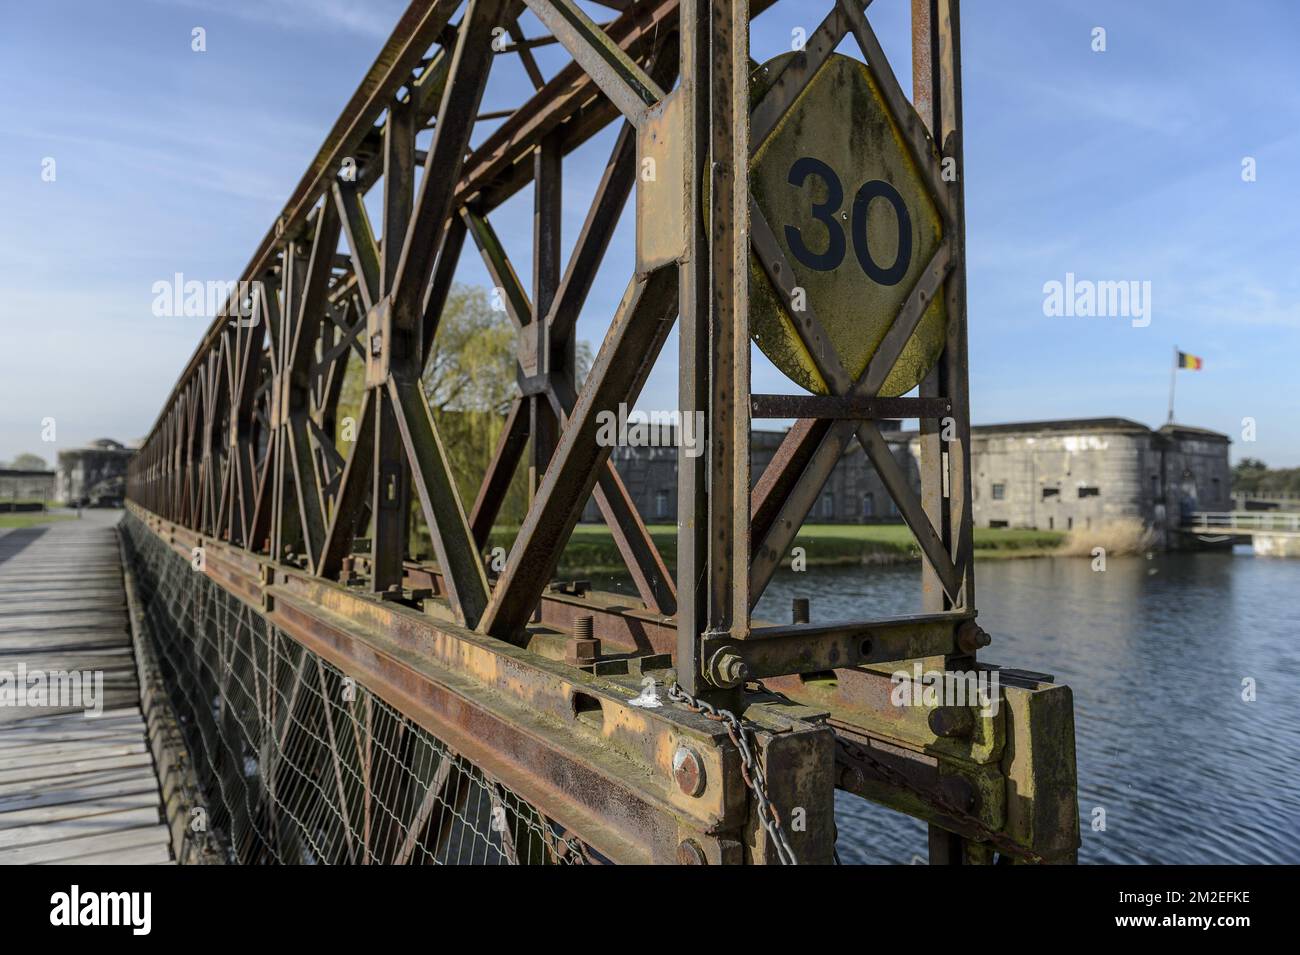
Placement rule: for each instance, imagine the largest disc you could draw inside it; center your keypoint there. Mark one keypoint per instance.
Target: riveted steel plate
(853, 217)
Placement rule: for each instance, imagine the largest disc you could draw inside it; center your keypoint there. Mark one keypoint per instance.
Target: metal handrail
(1245, 521)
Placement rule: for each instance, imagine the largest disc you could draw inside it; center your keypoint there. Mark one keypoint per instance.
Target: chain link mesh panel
(298, 763)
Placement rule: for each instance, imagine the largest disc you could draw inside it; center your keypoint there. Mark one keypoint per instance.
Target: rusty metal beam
(636, 335)
(587, 759)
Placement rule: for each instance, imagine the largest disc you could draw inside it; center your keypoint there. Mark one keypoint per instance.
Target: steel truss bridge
(342, 701)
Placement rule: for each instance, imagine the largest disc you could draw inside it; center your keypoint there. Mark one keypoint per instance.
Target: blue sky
(1122, 165)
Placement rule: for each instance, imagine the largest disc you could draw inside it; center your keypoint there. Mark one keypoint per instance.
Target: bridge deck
(73, 788)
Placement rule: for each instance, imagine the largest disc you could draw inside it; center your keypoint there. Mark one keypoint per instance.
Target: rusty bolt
(728, 668)
(799, 611)
(735, 669)
(690, 853)
(971, 637)
(688, 771)
(582, 649)
(851, 778)
(952, 722)
(959, 793)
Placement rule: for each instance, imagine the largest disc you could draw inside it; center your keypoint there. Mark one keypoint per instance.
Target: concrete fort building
(853, 494)
(94, 475)
(1043, 475)
(1059, 475)
(25, 489)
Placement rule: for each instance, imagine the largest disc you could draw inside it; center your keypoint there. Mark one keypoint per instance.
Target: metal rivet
(952, 722)
(690, 853)
(688, 770)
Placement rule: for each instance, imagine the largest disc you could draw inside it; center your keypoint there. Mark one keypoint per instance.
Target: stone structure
(1045, 475)
(95, 475)
(1058, 475)
(853, 495)
(21, 486)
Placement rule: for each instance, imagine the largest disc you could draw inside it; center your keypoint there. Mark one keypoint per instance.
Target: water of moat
(1156, 651)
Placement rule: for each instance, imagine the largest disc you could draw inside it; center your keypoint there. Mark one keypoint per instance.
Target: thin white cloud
(368, 18)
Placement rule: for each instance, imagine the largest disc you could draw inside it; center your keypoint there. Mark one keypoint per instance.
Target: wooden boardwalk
(73, 787)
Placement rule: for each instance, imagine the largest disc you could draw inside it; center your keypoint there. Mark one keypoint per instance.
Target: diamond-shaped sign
(852, 216)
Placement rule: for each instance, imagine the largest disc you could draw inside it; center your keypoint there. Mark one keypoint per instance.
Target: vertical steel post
(399, 199)
(543, 428)
(945, 445)
(713, 473)
(729, 426)
(693, 358)
(713, 477)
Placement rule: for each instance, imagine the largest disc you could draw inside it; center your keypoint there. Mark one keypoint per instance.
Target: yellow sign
(852, 216)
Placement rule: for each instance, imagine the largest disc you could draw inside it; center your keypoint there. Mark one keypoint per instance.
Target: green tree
(29, 462)
(470, 383)
(1253, 476)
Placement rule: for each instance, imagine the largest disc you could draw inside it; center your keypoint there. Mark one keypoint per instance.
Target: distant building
(1059, 475)
(1044, 475)
(95, 475)
(852, 495)
(25, 487)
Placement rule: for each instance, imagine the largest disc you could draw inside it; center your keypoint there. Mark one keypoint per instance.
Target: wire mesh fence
(300, 764)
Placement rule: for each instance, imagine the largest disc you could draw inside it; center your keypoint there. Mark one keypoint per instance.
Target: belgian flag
(1190, 361)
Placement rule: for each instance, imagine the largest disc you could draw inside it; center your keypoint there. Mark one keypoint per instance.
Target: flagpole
(1173, 377)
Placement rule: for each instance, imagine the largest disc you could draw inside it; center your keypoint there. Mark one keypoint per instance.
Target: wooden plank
(39, 775)
(108, 624)
(19, 794)
(78, 826)
(63, 723)
(107, 602)
(21, 739)
(77, 810)
(52, 739)
(56, 639)
(74, 787)
(75, 850)
(103, 717)
(32, 758)
(146, 855)
(113, 697)
(98, 789)
(97, 588)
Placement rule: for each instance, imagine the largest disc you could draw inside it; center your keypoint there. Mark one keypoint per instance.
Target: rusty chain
(749, 768)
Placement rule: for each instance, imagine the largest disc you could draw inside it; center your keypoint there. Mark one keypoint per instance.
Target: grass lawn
(591, 550)
(30, 519)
